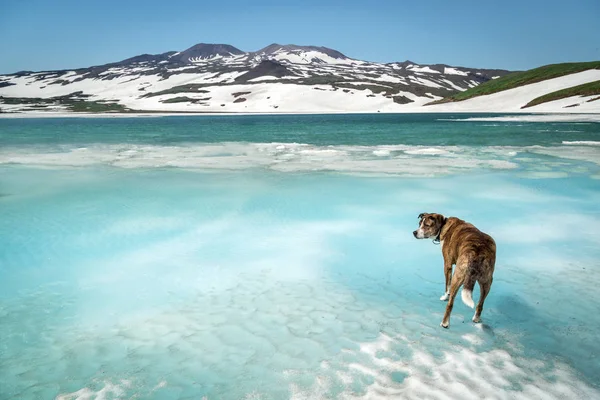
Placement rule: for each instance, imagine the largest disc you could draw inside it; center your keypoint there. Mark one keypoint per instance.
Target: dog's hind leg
(484, 289)
(448, 276)
(457, 281)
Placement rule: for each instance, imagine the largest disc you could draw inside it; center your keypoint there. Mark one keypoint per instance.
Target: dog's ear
(422, 215)
(439, 219)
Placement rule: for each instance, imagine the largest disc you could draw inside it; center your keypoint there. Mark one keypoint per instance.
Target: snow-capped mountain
(205, 52)
(303, 54)
(222, 78)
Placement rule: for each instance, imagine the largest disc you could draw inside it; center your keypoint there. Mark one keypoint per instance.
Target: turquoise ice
(272, 257)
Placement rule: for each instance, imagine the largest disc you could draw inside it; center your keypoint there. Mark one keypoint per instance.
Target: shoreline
(497, 116)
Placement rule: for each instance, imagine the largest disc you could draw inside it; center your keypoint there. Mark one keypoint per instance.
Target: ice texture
(175, 284)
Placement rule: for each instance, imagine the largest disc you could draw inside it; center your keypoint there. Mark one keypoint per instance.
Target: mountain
(210, 78)
(302, 54)
(203, 52)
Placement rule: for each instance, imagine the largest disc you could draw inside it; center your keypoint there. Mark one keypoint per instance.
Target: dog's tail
(467, 297)
(467, 291)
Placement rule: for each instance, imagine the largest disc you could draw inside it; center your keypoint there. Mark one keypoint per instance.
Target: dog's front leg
(448, 276)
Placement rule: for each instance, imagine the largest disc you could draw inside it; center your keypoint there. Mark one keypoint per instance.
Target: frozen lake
(273, 257)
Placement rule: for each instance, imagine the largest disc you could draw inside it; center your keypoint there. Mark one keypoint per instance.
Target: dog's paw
(445, 325)
(445, 296)
(476, 319)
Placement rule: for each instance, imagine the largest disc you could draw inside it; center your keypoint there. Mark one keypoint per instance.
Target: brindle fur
(472, 251)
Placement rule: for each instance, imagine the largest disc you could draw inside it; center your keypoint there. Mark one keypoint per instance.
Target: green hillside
(587, 89)
(517, 79)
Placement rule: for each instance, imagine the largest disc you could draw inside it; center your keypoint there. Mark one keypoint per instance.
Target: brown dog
(472, 251)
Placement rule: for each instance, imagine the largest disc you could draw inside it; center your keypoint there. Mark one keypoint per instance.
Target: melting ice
(294, 273)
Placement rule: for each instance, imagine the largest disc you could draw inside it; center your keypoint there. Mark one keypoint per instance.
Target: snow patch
(454, 71)
(427, 70)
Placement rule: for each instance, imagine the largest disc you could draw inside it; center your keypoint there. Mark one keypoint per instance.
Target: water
(272, 257)
(321, 130)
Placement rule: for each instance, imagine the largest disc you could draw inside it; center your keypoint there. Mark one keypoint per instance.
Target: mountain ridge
(202, 78)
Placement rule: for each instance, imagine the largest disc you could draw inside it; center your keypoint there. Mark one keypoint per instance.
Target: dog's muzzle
(415, 234)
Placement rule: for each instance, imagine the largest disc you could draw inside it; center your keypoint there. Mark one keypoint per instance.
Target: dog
(472, 251)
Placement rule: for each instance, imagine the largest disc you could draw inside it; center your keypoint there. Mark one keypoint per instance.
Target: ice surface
(178, 266)
(166, 283)
(401, 160)
(538, 118)
(582, 142)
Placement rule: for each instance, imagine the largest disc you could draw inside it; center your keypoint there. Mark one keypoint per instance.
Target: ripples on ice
(171, 284)
(299, 341)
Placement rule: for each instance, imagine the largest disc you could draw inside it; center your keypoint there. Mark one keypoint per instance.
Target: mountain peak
(293, 48)
(301, 54)
(207, 51)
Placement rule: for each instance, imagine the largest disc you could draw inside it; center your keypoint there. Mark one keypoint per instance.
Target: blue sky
(44, 35)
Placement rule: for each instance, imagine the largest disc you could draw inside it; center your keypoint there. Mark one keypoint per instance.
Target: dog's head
(430, 225)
